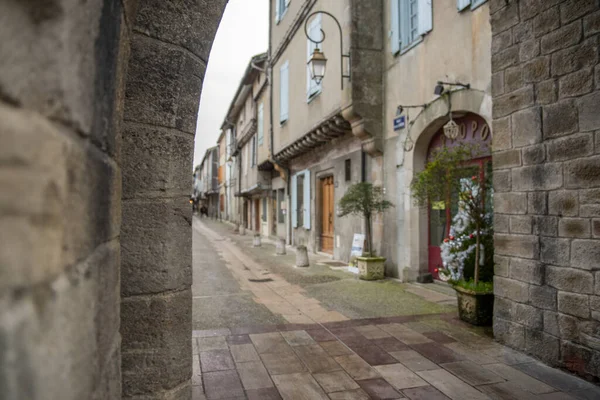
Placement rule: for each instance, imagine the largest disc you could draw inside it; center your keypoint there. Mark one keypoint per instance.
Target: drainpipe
(363, 166)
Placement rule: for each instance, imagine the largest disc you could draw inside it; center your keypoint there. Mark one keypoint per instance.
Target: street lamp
(318, 61)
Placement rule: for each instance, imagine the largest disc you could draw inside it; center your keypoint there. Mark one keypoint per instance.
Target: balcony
(255, 182)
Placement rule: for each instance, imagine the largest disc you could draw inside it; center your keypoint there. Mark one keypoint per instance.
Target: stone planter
(280, 247)
(475, 308)
(256, 241)
(371, 268)
(302, 256)
(242, 230)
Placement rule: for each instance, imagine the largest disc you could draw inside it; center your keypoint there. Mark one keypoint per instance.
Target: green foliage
(480, 287)
(441, 175)
(363, 199)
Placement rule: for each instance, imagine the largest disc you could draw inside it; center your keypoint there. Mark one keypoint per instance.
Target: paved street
(266, 330)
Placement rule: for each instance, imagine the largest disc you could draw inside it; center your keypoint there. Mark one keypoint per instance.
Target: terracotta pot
(371, 268)
(475, 308)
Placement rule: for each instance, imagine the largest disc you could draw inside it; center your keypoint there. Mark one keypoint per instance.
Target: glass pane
(437, 223)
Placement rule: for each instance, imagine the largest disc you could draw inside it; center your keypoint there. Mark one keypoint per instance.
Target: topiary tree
(364, 199)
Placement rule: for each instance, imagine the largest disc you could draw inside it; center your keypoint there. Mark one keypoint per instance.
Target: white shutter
(425, 16)
(395, 25)
(306, 199)
(287, 4)
(284, 77)
(462, 4)
(293, 208)
(314, 31)
(260, 123)
(277, 11)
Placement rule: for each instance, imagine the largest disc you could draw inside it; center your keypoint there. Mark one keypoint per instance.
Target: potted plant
(364, 199)
(467, 251)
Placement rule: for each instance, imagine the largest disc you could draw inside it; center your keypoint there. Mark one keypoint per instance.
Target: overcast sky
(243, 32)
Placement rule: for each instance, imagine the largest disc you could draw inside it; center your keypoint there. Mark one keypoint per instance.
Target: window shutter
(287, 3)
(284, 92)
(425, 16)
(277, 11)
(462, 4)
(395, 25)
(293, 208)
(306, 196)
(260, 123)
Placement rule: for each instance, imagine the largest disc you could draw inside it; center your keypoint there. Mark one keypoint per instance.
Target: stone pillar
(280, 247)
(256, 241)
(546, 156)
(302, 257)
(169, 51)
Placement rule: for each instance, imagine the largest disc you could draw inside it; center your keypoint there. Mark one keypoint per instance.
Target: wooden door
(257, 215)
(274, 213)
(327, 203)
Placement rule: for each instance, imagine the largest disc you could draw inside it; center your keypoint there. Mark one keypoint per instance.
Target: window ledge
(313, 96)
(410, 46)
(282, 123)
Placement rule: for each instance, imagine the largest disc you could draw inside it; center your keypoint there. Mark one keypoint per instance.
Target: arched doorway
(474, 131)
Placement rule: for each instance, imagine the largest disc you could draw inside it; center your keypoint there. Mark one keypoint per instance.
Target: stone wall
(546, 89)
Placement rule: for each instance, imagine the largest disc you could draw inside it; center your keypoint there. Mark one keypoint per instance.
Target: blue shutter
(306, 201)
(292, 209)
(277, 11)
(425, 16)
(395, 25)
(284, 92)
(462, 4)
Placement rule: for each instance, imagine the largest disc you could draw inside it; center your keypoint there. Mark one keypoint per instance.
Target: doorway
(274, 213)
(327, 203)
(257, 215)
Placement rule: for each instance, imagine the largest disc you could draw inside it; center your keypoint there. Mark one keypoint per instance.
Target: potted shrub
(467, 252)
(364, 199)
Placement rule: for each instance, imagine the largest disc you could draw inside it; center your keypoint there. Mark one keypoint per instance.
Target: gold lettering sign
(485, 132)
(474, 126)
(463, 131)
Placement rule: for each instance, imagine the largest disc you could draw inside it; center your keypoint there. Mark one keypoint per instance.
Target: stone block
(521, 224)
(529, 49)
(543, 297)
(537, 177)
(551, 323)
(591, 24)
(537, 203)
(511, 289)
(554, 251)
(589, 196)
(498, 83)
(504, 308)
(560, 119)
(527, 127)
(588, 112)
(523, 32)
(163, 85)
(509, 333)
(546, 21)
(502, 181)
(510, 203)
(505, 58)
(511, 102)
(569, 279)
(564, 37)
(583, 173)
(574, 227)
(506, 159)
(536, 70)
(528, 316)
(589, 210)
(574, 146)
(596, 228)
(575, 57)
(578, 359)
(505, 18)
(501, 41)
(501, 266)
(597, 283)
(574, 9)
(545, 226)
(502, 138)
(513, 78)
(576, 83)
(155, 160)
(546, 92)
(529, 271)
(563, 203)
(517, 245)
(542, 345)
(531, 8)
(501, 223)
(574, 304)
(568, 327)
(595, 303)
(156, 246)
(585, 254)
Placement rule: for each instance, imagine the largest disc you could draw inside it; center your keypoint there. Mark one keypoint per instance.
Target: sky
(243, 32)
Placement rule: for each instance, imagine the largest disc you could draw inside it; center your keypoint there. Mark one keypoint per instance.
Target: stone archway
(98, 104)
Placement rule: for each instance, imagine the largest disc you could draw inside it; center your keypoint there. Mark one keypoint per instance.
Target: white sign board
(358, 244)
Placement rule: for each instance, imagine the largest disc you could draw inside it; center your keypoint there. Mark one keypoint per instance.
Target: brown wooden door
(257, 215)
(327, 201)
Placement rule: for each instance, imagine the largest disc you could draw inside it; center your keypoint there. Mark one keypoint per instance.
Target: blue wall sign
(399, 122)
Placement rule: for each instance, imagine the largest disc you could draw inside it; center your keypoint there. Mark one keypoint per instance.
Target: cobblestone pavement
(262, 331)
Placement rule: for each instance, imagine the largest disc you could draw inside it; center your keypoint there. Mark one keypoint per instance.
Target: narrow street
(264, 329)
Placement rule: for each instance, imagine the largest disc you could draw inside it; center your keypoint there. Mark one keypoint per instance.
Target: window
(280, 200)
(261, 124)
(410, 20)
(264, 209)
(348, 170)
(463, 4)
(314, 31)
(284, 86)
(281, 7)
(253, 150)
(300, 197)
